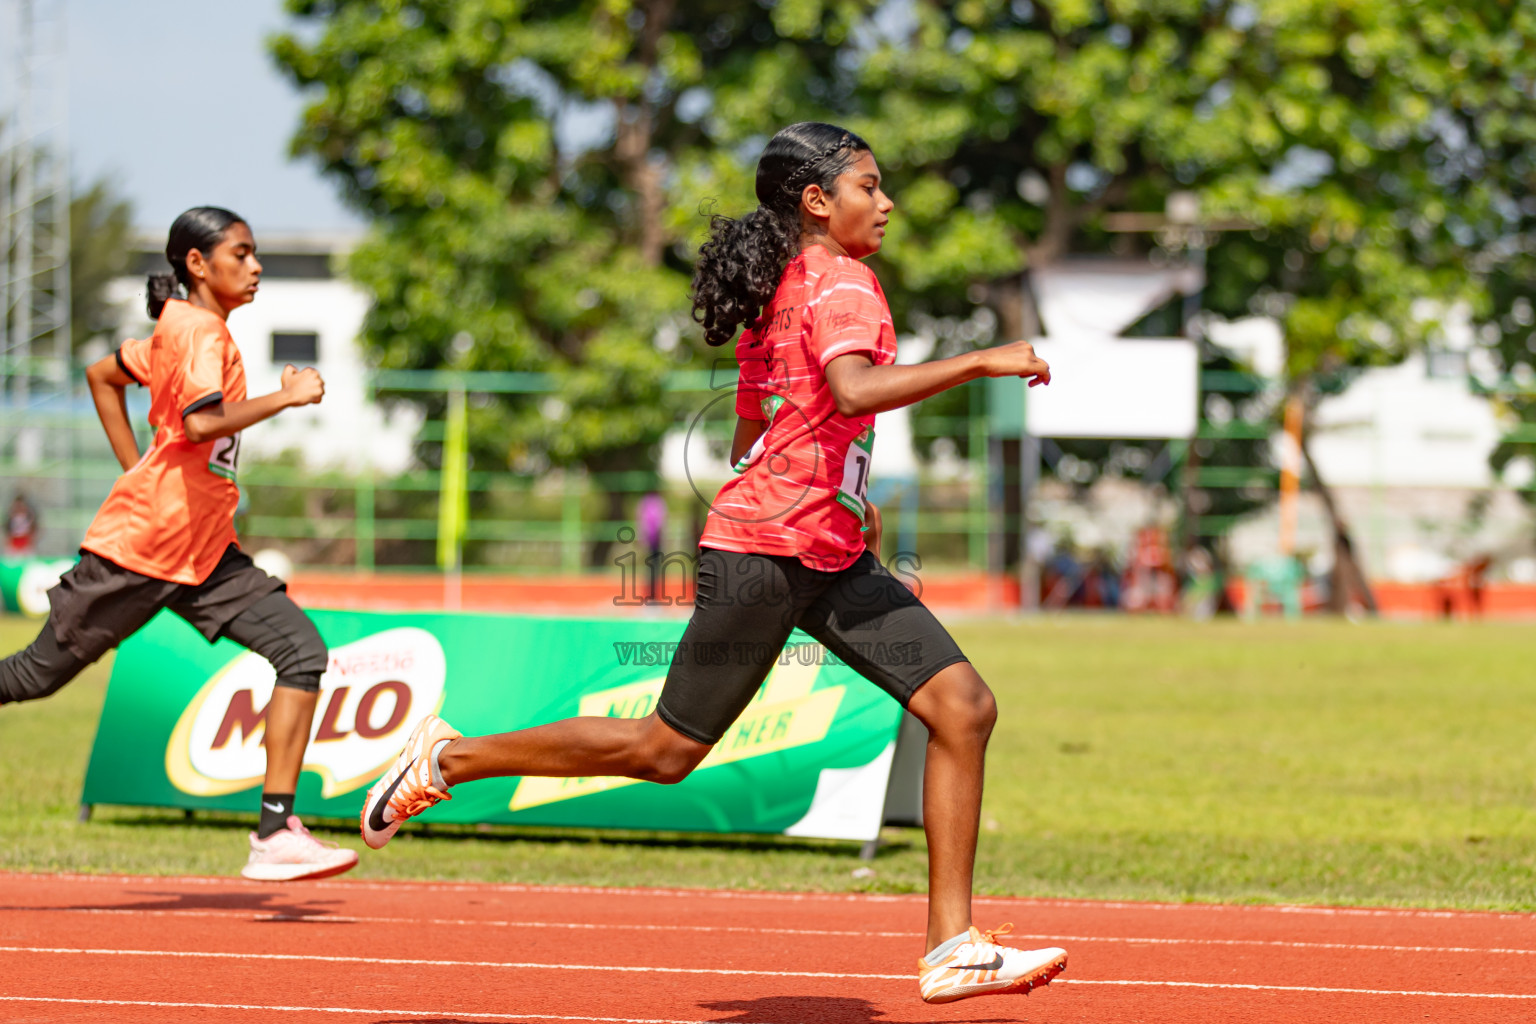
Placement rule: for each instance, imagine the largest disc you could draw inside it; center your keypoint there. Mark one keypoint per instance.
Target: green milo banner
(183, 721)
(25, 582)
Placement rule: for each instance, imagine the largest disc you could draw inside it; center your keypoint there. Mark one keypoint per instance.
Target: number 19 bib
(856, 472)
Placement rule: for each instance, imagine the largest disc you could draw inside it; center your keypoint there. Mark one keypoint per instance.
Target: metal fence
(552, 521)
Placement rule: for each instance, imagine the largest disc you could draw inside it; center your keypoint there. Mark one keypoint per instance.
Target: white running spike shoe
(291, 853)
(982, 966)
(406, 789)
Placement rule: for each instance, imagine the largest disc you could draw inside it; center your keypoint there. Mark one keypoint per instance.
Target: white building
(1405, 449)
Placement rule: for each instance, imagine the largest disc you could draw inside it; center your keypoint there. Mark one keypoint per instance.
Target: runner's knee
(956, 702)
(668, 767)
(302, 663)
(278, 630)
(983, 711)
(667, 757)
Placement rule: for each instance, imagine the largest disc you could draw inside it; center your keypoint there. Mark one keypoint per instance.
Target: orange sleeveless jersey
(172, 515)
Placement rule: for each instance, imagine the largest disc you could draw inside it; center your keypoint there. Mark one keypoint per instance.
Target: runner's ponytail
(739, 267)
(201, 228)
(160, 289)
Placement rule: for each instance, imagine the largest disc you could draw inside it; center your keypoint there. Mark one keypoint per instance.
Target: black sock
(275, 808)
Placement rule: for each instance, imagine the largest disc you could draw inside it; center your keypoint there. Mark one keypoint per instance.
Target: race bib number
(226, 456)
(856, 472)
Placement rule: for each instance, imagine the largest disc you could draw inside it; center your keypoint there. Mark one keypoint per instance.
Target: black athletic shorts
(744, 611)
(98, 604)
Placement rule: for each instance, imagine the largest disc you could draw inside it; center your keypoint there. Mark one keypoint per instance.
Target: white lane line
(790, 897)
(1237, 986)
(413, 962)
(1211, 986)
(1277, 944)
(257, 916)
(481, 887)
(340, 1009)
(401, 961)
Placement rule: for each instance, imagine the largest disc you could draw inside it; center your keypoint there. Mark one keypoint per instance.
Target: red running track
(126, 949)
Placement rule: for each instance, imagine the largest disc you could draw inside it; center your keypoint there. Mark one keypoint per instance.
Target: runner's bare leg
(289, 717)
(636, 748)
(955, 705)
(959, 712)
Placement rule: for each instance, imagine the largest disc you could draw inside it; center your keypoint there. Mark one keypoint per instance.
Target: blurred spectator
(1070, 579)
(1476, 575)
(1101, 583)
(1061, 577)
(1275, 580)
(1469, 580)
(651, 518)
(1200, 588)
(21, 527)
(1150, 581)
(1039, 545)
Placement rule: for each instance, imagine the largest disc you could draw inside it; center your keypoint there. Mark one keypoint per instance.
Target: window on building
(295, 347)
(1445, 364)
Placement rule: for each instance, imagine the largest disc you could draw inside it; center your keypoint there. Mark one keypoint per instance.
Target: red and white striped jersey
(801, 488)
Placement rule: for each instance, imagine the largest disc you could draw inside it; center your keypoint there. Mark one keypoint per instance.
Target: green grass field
(1136, 758)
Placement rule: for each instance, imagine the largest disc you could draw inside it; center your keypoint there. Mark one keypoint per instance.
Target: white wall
(1396, 426)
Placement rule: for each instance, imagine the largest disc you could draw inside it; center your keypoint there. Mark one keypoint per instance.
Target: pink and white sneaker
(406, 789)
(290, 854)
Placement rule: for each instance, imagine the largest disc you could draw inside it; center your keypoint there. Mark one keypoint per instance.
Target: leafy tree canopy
(535, 170)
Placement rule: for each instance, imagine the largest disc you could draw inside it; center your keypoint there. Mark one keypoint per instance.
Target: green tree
(529, 169)
(535, 171)
(1333, 129)
(1014, 127)
(100, 250)
(1490, 152)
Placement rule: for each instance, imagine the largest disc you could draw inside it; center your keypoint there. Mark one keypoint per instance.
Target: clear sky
(177, 104)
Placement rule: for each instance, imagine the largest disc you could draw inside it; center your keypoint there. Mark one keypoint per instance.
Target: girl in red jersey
(785, 543)
(165, 536)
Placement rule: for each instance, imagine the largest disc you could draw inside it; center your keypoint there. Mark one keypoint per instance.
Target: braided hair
(739, 267)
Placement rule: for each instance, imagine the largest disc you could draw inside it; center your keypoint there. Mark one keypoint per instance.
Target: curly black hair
(739, 267)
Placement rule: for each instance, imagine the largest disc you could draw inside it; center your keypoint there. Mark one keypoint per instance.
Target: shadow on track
(767, 1010)
(891, 841)
(803, 1009)
(273, 908)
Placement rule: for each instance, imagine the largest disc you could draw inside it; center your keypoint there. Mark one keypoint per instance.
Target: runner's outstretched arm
(107, 381)
(861, 388)
(299, 387)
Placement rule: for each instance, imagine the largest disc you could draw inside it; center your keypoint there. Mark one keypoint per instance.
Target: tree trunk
(632, 143)
(1347, 577)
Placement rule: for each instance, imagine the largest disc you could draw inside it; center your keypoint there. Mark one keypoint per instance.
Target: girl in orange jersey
(165, 536)
(786, 545)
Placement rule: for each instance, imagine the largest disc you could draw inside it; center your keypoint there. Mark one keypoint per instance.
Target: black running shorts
(98, 604)
(745, 609)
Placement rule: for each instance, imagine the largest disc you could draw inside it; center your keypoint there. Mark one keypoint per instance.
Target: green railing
(551, 522)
